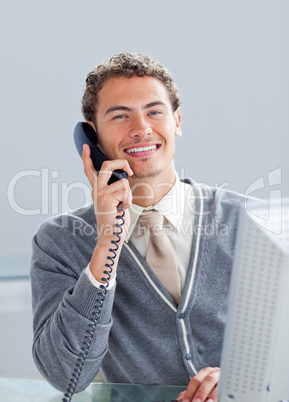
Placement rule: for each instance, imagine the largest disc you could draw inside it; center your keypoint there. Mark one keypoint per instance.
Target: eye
(119, 116)
(155, 112)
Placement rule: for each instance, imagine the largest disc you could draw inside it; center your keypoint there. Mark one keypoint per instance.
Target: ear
(92, 124)
(178, 118)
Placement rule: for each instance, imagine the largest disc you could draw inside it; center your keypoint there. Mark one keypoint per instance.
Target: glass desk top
(23, 390)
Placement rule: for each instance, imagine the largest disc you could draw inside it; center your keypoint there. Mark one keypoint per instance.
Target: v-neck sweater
(142, 337)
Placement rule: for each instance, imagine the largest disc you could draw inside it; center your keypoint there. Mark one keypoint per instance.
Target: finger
(190, 392)
(213, 395)
(202, 384)
(122, 184)
(107, 202)
(128, 201)
(88, 165)
(106, 170)
(108, 167)
(123, 194)
(119, 197)
(126, 191)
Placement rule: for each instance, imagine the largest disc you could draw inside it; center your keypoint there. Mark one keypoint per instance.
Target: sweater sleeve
(63, 299)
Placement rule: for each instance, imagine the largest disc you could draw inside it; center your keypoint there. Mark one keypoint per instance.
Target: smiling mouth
(136, 150)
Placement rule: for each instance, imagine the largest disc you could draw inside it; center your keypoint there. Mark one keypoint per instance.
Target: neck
(149, 191)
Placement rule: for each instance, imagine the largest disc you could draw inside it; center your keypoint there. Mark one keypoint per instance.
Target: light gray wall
(229, 59)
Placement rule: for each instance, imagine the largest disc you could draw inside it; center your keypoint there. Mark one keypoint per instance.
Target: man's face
(135, 122)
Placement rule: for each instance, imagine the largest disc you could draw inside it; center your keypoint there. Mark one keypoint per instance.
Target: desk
(23, 390)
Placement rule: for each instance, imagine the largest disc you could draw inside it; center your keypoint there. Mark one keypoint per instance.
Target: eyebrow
(128, 109)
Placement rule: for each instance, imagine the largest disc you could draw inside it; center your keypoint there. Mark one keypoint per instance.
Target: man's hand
(202, 387)
(106, 199)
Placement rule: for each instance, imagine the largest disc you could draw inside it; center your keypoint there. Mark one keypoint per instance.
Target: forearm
(99, 259)
(63, 299)
(58, 341)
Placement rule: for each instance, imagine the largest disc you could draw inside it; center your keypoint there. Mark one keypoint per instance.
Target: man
(149, 330)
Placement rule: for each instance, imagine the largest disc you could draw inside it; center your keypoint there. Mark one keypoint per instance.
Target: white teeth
(141, 149)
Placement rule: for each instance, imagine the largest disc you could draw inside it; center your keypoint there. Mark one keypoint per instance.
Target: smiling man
(163, 316)
(136, 122)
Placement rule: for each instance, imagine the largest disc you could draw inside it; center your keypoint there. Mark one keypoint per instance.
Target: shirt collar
(171, 206)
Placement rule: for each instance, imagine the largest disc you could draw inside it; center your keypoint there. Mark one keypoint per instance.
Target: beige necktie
(160, 254)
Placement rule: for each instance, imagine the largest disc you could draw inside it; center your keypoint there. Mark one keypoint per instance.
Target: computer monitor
(255, 354)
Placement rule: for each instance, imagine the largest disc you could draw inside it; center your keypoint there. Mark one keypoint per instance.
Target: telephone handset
(85, 134)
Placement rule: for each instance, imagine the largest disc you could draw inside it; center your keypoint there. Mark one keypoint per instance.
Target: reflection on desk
(23, 390)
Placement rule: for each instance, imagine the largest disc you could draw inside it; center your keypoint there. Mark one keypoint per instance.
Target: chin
(146, 173)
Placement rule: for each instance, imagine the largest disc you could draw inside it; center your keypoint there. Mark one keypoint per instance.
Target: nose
(140, 128)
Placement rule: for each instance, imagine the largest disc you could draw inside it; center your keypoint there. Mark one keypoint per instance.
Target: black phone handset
(85, 134)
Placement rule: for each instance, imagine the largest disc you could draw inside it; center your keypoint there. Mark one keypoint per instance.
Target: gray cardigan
(142, 337)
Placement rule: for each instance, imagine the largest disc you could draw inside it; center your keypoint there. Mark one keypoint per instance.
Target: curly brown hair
(125, 65)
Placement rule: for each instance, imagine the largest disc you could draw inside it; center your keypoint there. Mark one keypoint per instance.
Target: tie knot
(153, 221)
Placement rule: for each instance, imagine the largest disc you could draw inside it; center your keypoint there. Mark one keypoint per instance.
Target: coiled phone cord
(95, 316)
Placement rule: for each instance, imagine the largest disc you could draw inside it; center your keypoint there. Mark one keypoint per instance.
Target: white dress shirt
(177, 206)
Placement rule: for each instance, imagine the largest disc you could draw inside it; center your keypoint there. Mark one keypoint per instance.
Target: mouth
(142, 151)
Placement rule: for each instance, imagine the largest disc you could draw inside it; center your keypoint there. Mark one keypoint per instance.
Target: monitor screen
(255, 354)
